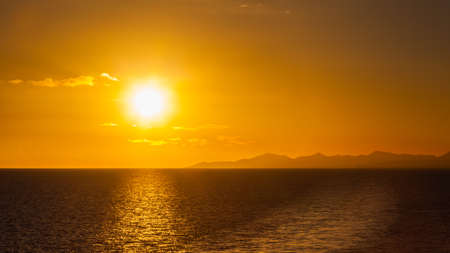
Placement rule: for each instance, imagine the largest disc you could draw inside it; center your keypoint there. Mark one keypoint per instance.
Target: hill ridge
(376, 159)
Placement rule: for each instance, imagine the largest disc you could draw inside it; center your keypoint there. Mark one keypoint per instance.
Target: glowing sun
(149, 102)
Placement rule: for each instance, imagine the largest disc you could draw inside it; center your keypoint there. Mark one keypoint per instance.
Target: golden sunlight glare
(149, 102)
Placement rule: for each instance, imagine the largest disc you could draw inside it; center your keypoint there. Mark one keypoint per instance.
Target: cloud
(172, 141)
(247, 7)
(202, 127)
(15, 81)
(181, 128)
(138, 140)
(112, 78)
(109, 124)
(175, 139)
(157, 143)
(191, 141)
(197, 141)
(68, 82)
(149, 142)
(84, 80)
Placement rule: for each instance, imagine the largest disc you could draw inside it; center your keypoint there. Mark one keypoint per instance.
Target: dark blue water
(220, 210)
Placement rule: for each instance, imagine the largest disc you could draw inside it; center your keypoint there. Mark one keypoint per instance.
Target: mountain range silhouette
(374, 160)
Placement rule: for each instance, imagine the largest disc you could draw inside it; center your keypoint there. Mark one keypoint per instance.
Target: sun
(149, 102)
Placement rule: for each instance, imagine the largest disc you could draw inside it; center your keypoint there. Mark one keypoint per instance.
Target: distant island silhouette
(374, 160)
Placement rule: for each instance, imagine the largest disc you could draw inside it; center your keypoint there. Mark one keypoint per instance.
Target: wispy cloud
(68, 82)
(149, 142)
(109, 124)
(15, 81)
(181, 128)
(197, 141)
(202, 127)
(255, 7)
(247, 7)
(193, 141)
(112, 78)
(183, 142)
(84, 80)
(193, 136)
(157, 142)
(138, 140)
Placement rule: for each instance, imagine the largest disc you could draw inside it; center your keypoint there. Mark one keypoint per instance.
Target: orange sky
(245, 78)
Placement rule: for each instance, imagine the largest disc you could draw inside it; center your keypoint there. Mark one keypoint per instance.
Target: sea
(257, 210)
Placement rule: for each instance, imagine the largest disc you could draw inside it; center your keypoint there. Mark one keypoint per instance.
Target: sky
(239, 78)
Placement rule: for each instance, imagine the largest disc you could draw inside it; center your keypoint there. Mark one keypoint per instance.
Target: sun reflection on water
(161, 211)
(144, 216)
